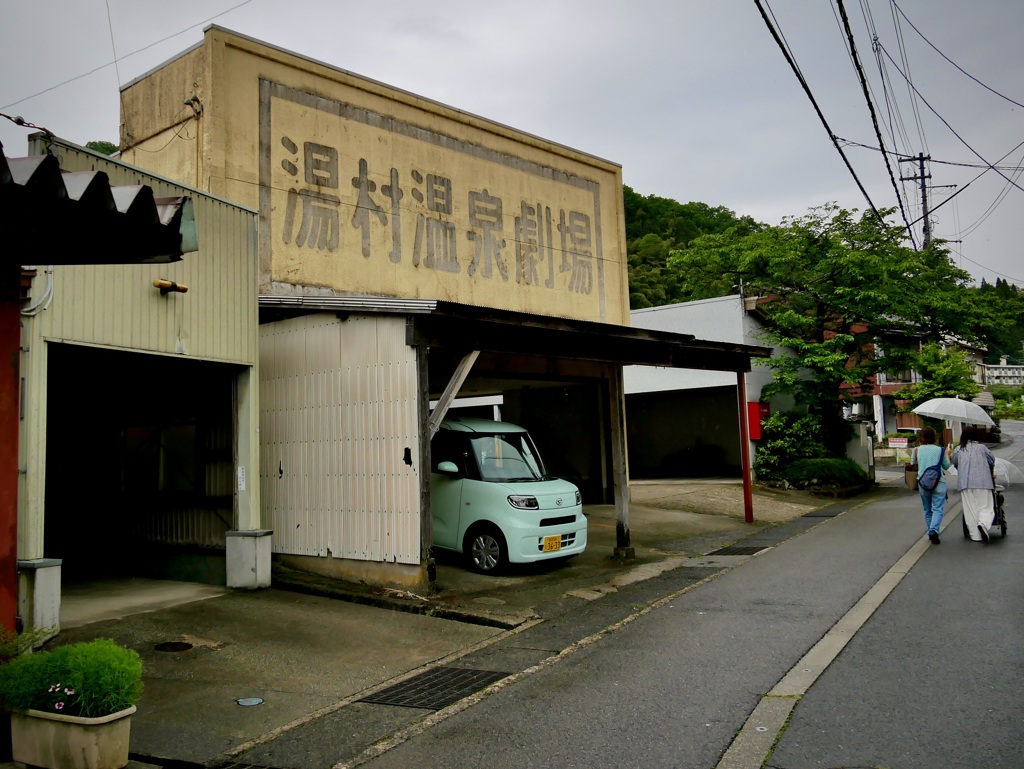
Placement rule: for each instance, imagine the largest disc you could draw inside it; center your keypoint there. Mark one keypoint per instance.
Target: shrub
(88, 679)
(786, 437)
(824, 472)
(15, 644)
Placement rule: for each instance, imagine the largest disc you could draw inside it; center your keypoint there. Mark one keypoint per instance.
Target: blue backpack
(931, 476)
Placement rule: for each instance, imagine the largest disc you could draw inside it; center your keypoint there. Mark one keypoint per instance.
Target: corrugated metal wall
(118, 308)
(117, 305)
(338, 414)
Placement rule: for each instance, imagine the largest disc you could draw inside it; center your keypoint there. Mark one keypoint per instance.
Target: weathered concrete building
(409, 252)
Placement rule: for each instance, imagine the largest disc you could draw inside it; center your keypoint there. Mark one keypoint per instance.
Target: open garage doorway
(139, 464)
(684, 434)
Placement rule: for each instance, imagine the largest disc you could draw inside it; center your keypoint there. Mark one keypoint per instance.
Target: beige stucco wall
(164, 133)
(365, 189)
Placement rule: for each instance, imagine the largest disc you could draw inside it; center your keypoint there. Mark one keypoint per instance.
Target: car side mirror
(448, 468)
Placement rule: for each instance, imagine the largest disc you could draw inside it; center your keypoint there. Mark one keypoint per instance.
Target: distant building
(1003, 374)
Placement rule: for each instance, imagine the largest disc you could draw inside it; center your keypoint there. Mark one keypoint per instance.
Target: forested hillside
(1011, 341)
(661, 235)
(656, 226)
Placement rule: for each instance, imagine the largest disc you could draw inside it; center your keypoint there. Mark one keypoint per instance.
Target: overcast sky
(693, 98)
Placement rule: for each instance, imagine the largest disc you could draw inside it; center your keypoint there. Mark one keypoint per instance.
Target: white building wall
(339, 415)
(722, 319)
(1005, 375)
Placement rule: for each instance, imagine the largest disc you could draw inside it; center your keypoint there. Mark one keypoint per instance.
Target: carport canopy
(457, 334)
(475, 330)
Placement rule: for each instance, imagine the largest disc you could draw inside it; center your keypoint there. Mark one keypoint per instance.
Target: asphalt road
(932, 678)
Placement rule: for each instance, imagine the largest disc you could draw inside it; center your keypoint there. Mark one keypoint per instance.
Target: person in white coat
(975, 480)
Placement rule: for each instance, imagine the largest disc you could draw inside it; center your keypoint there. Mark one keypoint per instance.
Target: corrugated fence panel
(398, 432)
(196, 526)
(338, 411)
(117, 305)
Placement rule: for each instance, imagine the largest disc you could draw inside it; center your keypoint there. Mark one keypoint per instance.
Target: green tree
(830, 284)
(648, 285)
(104, 148)
(1008, 300)
(1009, 401)
(655, 226)
(944, 372)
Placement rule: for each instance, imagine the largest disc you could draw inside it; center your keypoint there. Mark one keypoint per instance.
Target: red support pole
(10, 346)
(748, 488)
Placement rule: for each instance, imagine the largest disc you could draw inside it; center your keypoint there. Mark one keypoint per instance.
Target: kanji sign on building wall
(359, 202)
(366, 189)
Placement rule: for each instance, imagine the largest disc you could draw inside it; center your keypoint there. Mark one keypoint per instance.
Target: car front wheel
(486, 550)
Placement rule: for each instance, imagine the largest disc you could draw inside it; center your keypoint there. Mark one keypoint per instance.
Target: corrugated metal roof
(51, 217)
(985, 400)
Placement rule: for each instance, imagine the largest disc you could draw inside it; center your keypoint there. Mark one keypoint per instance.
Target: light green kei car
(494, 502)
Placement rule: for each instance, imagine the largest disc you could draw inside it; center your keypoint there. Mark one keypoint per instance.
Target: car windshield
(510, 457)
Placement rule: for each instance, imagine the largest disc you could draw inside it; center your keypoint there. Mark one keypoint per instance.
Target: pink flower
(55, 687)
(69, 692)
(59, 706)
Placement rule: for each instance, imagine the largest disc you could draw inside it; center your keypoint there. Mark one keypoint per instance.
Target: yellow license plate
(552, 543)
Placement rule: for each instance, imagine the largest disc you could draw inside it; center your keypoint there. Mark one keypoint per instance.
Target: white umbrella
(1006, 472)
(954, 410)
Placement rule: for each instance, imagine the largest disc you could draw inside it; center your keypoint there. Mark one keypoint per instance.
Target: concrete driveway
(207, 652)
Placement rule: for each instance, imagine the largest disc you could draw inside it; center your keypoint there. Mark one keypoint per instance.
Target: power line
(906, 64)
(126, 56)
(852, 143)
(1018, 169)
(952, 130)
(994, 272)
(871, 109)
(940, 53)
(113, 46)
(817, 109)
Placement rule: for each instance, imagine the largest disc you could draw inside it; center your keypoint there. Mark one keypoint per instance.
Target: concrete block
(248, 558)
(39, 593)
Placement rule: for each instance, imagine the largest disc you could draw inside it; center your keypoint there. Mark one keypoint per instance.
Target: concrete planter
(57, 741)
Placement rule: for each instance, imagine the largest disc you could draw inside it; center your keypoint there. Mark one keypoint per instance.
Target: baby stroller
(999, 521)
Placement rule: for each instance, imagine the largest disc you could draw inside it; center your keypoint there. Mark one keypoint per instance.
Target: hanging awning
(51, 217)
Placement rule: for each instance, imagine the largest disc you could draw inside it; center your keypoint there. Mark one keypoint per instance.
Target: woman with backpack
(930, 458)
(974, 465)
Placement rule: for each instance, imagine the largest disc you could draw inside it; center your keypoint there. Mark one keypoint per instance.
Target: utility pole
(921, 157)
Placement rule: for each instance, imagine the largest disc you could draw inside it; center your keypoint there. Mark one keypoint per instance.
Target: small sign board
(898, 443)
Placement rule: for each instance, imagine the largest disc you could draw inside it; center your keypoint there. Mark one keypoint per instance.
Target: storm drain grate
(822, 513)
(738, 550)
(435, 689)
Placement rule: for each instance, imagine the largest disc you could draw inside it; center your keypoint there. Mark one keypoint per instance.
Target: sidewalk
(311, 662)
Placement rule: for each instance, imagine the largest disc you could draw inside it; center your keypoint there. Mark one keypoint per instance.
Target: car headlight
(579, 499)
(523, 502)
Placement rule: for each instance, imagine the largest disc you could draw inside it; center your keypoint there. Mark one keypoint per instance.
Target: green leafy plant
(786, 437)
(15, 644)
(824, 472)
(88, 679)
(945, 373)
